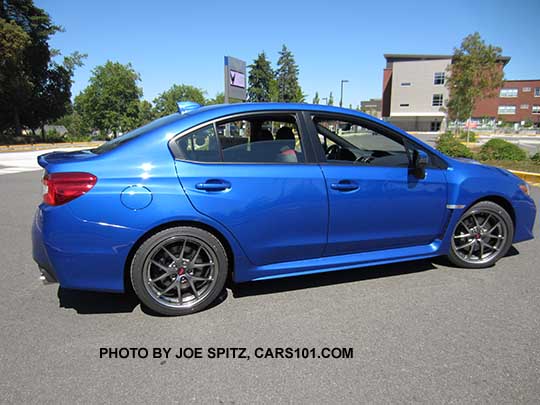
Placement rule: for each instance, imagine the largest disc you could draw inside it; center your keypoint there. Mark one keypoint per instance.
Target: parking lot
(420, 332)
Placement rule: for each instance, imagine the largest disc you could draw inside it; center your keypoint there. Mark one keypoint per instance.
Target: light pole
(341, 95)
(325, 100)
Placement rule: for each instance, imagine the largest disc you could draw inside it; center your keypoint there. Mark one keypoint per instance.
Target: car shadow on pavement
(328, 278)
(89, 302)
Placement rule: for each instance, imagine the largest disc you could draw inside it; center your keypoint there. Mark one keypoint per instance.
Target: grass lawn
(525, 166)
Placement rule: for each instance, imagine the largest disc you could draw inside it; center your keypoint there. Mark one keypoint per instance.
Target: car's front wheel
(482, 236)
(179, 271)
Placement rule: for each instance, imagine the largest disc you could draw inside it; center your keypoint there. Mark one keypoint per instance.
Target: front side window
(536, 109)
(348, 142)
(507, 109)
(438, 78)
(508, 93)
(437, 100)
(537, 91)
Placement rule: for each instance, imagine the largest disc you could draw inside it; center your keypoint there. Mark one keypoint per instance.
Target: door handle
(344, 185)
(213, 185)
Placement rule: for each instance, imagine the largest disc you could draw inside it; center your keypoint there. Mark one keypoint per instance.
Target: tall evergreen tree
(260, 80)
(316, 99)
(289, 90)
(33, 89)
(330, 99)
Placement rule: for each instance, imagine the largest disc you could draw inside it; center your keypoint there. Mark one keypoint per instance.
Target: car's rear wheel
(179, 271)
(482, 236)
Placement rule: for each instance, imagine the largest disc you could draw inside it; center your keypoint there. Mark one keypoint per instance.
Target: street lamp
(341, 96)
(325, 100)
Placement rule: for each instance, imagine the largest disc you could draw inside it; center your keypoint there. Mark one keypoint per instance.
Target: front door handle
(213, 185)
(344, 185)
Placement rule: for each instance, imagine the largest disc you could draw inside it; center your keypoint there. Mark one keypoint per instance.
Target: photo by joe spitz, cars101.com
(255, 191)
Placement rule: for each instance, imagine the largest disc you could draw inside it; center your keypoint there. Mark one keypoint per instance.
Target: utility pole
(341, 95)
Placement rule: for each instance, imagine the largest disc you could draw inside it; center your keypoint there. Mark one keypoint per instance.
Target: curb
(532, 178)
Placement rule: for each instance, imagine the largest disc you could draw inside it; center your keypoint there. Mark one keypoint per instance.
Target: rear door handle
(213, 185)
(344, 185)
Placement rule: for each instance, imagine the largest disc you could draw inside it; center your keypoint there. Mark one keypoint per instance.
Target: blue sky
(171, 42)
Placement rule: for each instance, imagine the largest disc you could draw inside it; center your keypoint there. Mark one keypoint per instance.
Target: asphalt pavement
(421, 332)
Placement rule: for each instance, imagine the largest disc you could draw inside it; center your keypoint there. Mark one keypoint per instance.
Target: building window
(524, 106)
(404, 105)
(406, 84)
(536, 109)
(438, 78)
(508, 93)
(507, 109)
(435, 126)
(437, 100)
(526, 89)
(537, 91)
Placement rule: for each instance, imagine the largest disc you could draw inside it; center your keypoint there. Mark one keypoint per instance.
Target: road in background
(18, 162)
(421, 332)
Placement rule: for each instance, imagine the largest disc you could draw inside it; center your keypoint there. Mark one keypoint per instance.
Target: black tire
(461, 243)
(144, 262)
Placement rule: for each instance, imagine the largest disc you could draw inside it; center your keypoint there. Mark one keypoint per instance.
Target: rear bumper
(78, 254)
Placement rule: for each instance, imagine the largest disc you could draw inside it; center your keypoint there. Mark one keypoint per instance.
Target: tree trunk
(17, 119)
(42, 126)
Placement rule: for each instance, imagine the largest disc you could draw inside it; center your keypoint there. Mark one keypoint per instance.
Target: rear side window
(272, 138)
(200, 145)
(261, 140)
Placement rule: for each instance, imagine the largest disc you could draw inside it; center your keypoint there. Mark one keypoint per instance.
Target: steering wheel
(333, 152)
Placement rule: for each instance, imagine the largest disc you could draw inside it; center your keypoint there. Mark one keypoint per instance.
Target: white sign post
(235, 79)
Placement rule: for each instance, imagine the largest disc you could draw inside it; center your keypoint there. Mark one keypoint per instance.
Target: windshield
(114, 143)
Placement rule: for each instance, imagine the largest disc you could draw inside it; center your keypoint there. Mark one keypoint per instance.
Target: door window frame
(435, 162)
(305, 139)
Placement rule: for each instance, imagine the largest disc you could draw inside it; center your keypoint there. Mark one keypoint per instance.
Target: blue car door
(253, 177)
(376, 201)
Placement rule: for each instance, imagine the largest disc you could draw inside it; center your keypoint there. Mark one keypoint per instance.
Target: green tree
(476, 72)
(165, 103)
(111, 102)
(146, 113)
(316, 99)
(218, 99)
(289, 90)
(330, 99)
(260, 80)
(33, 88)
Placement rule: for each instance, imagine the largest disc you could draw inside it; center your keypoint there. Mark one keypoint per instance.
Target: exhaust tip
(46, 277)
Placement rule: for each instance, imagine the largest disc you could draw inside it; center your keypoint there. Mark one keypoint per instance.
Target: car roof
(252, 107)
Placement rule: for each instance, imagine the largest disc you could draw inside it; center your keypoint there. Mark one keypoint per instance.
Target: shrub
(463, 136)
(536, 157)
(451, 146)
(499, 149)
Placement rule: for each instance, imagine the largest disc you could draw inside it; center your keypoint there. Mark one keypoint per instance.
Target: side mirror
(421, 160)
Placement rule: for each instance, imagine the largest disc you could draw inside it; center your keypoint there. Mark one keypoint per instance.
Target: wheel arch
(497, 199)
(171, 224)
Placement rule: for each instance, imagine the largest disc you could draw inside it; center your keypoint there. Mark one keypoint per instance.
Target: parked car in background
(175, 207)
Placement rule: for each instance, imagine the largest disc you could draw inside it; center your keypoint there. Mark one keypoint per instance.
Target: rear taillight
(60, 188)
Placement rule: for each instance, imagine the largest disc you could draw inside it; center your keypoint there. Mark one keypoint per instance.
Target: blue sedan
(260, 191)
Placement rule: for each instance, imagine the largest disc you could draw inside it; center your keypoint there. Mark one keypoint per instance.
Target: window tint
(200, 145)
(349, 142)
(261, 139)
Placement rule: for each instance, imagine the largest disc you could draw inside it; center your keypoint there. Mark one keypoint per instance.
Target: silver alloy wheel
(180, 271)
(479, 236)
